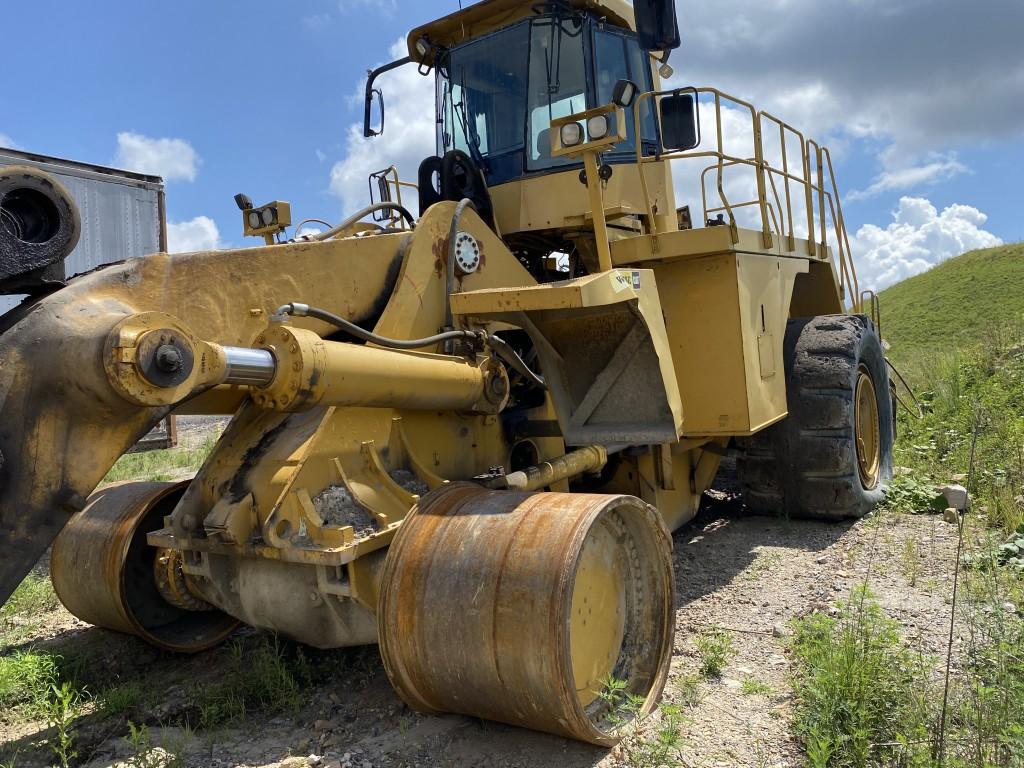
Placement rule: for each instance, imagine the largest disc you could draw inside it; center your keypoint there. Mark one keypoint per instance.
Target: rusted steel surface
(103, 570)
(493, 603)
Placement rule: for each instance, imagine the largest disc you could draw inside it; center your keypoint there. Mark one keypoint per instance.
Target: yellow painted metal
(489, 15)
(616, 117)
(589, 459)
(869, 443)
(557, 201)
(311, 371)
(604, 254)
(124, 348)
(590, 394)
(599, 609)
(727, 320)
(815, 177)
(282, 220)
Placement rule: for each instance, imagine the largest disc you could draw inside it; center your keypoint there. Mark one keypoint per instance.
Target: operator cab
(503, 71)
(497, 95)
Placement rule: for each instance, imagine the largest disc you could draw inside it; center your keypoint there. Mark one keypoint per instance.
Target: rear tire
(831, 458)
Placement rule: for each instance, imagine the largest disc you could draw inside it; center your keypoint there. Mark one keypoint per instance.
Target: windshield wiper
(469, 127)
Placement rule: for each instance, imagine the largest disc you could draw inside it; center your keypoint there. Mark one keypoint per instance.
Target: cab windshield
(497, 95)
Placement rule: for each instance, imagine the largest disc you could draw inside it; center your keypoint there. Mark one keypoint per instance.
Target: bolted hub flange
(467, 253)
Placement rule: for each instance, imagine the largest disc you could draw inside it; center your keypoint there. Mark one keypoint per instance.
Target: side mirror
(680, 122)
(374, 113)
(656, 24)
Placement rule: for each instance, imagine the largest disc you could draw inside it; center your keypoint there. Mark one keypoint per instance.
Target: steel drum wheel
(518, 607)
(103, 570)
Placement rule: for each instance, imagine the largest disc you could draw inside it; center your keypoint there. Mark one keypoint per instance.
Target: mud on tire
(808, 464)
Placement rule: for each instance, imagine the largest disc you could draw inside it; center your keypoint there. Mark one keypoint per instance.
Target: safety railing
(799, 165)
(389, 190)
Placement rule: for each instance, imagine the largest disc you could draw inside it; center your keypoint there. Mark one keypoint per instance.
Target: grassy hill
(962, 301)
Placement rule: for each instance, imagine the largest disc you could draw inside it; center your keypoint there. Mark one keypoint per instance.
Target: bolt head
(169, 358)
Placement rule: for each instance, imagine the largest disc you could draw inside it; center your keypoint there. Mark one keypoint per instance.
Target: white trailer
(123, 212)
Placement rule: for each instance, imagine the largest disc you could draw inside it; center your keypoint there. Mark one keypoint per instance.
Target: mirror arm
(371, 78)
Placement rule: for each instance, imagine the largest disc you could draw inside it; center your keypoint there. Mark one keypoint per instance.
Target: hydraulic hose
(295, 309)
(348, 222)
(505, 351)
(501, 347)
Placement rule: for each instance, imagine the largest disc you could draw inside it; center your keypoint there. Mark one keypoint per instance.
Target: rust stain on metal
(99, 570)
(478, 598)
(440, 249)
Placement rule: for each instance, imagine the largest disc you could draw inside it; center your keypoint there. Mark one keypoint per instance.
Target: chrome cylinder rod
(255, 367)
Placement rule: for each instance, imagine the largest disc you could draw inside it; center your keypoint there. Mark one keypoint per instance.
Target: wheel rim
(869, 454)
(599, 606)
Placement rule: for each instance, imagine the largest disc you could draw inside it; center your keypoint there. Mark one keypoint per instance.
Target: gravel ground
(738, 573)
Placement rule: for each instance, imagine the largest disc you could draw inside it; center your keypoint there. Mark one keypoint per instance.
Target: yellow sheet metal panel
(765, 287)
(645, 249)
(702, 315)
(558, 200)
(604, 348)
(726, 318)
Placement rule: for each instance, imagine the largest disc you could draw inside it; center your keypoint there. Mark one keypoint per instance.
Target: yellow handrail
(390, 175)
(821, 194)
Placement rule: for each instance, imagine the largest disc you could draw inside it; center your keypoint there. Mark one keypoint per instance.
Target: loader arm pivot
(63, 426)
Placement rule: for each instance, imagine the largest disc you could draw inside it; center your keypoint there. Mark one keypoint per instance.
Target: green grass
(27, 608)
(649, 739)
(971, 392)
(25, 678)
(957, 303)
(167, 464)
(145, 754)
(753, 687)
(123, 699)
(714, 650)
(863, 697)
(263, 675)
(861, 694)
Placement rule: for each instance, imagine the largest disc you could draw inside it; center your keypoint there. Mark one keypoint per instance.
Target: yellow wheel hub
(869, 443)
(598, 611)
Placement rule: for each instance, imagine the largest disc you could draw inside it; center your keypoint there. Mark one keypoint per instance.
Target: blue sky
(924, 100)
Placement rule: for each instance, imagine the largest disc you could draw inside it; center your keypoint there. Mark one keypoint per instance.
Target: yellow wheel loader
(464, 433)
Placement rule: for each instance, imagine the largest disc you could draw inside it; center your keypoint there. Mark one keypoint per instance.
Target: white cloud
(941, 168)
(408, 137)
(198, 234)
(918, 238)
(866, 68)
(387, 7)
(317, 21)
(173, 159)
(7, 142)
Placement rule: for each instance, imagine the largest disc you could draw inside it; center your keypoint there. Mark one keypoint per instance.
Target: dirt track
(742, 574)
